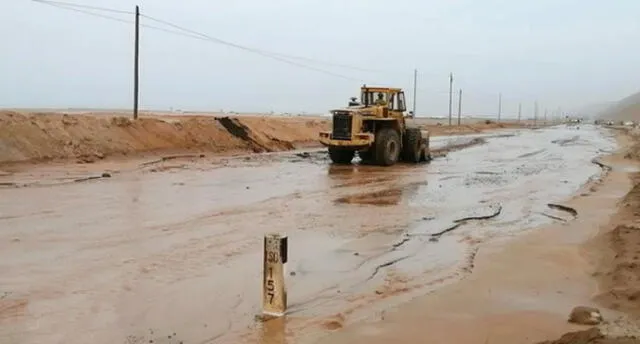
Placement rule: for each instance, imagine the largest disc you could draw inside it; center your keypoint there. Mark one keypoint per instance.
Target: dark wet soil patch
(604, 167)
(530, 154)
(462, 221)
(173, 157)
(590, 336)
(564, 208)
(442, 152)
(9, 185)
(497, 212)
(381, 198)
(241, 131)
(553, 217)
(387, 264)
(565, 142)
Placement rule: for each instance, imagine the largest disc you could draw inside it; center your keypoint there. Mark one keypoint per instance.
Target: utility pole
(415, 83)
(519, 112)
(459, 106)
(499, 106)
(136, 58)
(450, 95)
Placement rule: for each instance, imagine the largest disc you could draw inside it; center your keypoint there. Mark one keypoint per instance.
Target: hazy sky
(563, 53)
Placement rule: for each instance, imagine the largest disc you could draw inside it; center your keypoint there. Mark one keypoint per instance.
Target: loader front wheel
(412, 149)
(387, 147)
(367, 157)
(341, 156)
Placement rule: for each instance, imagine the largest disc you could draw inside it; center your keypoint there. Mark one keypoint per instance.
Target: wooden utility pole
(499, 106)
(450, 95)
(519, 112)
(136, 58)
(415, 87)
(459, 106)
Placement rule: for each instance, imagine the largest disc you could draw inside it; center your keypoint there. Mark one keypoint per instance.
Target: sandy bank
(39, 137)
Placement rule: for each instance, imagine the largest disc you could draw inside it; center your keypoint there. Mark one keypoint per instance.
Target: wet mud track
(172, 248)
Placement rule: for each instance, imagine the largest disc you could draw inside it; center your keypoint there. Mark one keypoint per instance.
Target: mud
(517, 288)
(113, 258)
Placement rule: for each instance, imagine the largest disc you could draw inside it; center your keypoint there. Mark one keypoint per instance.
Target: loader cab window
(396, 102)
(393, 102)
(401, 103)
(370, 98)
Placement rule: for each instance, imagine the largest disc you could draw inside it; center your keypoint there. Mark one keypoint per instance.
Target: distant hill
(626, 109)
(592, 110)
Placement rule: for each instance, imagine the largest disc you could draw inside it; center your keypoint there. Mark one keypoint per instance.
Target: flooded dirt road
(170, 251)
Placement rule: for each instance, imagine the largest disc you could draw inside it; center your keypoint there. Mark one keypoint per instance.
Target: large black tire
(425, 154)
(340, 155)
(387, 147)
(367, 156)
(412, 148)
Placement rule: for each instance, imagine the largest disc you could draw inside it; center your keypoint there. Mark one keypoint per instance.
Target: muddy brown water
(171, 252)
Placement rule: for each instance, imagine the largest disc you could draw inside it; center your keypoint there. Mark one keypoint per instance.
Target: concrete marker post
(274, 293)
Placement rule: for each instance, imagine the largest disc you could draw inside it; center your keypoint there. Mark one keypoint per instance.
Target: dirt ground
(618, 267)
(617, 270)
(99, 249)
(116, 250)
(39, 137)
(522, 290)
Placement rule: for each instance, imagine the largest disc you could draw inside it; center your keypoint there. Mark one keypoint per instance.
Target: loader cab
(394, 98)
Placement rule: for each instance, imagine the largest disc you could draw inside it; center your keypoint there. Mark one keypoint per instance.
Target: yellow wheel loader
(376, 128)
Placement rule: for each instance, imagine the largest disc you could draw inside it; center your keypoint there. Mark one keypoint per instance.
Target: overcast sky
(565, 53)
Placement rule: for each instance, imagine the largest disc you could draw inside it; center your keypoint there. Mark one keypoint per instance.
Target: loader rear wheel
(340, 155)
(387, 147)
(367, 157)
(412, 149)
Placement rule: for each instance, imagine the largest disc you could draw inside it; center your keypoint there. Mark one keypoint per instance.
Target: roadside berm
(44, 137)
(41, 137)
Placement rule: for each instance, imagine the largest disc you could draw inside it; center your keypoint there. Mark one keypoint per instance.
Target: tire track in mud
(386, 291)
(463, 269)
(565, 142)
(530, 154)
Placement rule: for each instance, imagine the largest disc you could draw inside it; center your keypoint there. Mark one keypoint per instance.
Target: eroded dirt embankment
(42, 137)
(39, 137)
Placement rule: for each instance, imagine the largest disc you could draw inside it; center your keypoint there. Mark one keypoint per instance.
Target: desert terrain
(121, 231)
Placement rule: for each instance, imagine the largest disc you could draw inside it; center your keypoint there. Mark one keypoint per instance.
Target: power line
(68, 4)
(276, 56)
(193, 34)
(218, 40)
(201, 36)
(69, 8)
